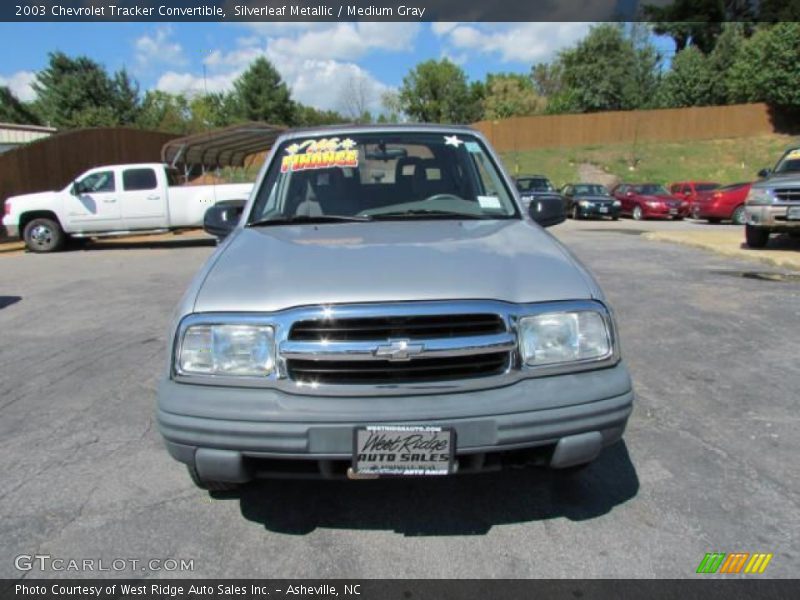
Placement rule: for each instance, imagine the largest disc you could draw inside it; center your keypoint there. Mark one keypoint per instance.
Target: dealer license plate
(793, 213)
(673, 211)
(603, 209)
(403, 451)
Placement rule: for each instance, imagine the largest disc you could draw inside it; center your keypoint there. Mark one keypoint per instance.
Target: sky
(315, 59)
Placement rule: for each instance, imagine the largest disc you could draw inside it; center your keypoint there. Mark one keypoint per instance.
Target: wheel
(637, 213)
(738, 216)
(615, 218)
(43, 235)
(575, 212)
(211, 486)
(756, 238)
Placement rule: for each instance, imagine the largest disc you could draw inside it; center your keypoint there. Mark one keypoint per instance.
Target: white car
(113, 200)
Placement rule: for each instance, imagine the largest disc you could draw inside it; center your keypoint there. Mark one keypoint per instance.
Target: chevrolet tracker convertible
(383, 306)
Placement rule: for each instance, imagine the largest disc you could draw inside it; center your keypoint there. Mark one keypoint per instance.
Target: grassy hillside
(725, 161)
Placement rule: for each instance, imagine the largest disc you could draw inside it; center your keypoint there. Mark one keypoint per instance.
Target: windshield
(790, 163)
(705, 187)
(374, 175)
(590, 190)
(534, 184)
(651, 189)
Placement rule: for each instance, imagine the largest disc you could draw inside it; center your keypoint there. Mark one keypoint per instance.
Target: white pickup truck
(113, 200)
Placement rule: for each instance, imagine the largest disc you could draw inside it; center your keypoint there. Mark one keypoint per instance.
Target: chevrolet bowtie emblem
(399, 350)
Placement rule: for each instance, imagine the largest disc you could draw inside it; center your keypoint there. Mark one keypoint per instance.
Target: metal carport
(227, 147)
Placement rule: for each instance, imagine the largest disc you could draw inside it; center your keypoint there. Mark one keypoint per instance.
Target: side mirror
(222, 218)
(547, 211)
(764, 173)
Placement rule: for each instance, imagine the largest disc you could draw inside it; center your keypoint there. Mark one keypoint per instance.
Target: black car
(583, 200)
(535, 186)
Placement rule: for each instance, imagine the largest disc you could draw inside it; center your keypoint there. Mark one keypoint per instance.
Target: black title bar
(358, 10)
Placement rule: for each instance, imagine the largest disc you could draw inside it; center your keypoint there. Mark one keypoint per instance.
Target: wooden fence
(673, 125)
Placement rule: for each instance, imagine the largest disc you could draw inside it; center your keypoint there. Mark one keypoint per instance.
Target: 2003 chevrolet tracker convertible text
(384, 307)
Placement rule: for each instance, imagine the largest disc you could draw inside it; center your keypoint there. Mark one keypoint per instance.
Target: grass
(724, 161)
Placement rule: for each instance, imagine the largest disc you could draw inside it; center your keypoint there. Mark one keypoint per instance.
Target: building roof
(227, 147)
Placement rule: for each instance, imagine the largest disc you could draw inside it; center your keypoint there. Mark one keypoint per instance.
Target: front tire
(638, 215)
(575, 213)
(756, 238)
(211, 486)
(739, 217)
(43, 235)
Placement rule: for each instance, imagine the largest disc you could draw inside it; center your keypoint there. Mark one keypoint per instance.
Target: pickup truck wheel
(738, 216)
(211, 486)
(756, 238)
(43, 235)
(638, 215)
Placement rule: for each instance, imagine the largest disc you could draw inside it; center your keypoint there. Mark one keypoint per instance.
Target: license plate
(403, 451)
(793, 213)
(603, 209)
(673, 211)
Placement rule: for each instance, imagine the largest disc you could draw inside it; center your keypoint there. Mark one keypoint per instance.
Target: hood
(594, 198)
(661, 198)
(783, 180)
(273, 268)
(31, 197)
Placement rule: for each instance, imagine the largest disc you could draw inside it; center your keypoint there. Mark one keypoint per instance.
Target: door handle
(110, 200)
(154, 197)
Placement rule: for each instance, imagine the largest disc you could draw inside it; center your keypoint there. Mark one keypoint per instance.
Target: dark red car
(649, 201)
(692, 190)
(723, 204)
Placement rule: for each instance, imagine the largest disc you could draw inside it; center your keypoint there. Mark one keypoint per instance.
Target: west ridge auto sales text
(328, 11)
(173, 591)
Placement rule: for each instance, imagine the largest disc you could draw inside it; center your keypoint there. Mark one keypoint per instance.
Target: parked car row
(702, 200)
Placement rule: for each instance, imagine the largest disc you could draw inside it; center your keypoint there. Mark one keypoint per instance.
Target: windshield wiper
(436, 214)
(308, 219)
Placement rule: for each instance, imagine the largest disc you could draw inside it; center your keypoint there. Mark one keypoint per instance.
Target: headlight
(759, 196)
(584, 203)
(617, 203)
(653, 204)
(563, 337)
(227, 350)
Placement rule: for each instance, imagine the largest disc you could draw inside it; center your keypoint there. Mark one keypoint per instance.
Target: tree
(392, 107)
(308, 116)
(13, 110)
(126, 101)
(74, 92)
(767, 69)
(510, 95)
(355, 97)
(688, 22)
(437, 92)
(165, 112)
(259, 94)
(210, 111)
(604, 71)
(725, 53)
(689, 82)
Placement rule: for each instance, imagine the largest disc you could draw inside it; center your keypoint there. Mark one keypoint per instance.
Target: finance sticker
(320, 154)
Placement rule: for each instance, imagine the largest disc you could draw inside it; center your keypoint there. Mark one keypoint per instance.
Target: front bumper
(664, 213)
(237, 434)
(597, 211)
(772, 217)
(11, 229)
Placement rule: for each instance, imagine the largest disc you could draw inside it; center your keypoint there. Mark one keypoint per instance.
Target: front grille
(384, 328)
(421, 370)
(788, 194)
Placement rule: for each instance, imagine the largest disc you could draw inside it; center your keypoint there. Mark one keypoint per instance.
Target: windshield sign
(372, 175)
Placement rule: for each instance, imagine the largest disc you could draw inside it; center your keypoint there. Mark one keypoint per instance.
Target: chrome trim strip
(431, 348)
(282, 322)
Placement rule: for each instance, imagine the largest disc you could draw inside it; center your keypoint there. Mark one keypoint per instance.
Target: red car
(692, 190)
(649, 201)
(725, 203)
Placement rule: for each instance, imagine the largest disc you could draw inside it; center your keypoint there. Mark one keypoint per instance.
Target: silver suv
(773, 204)
(384, 307)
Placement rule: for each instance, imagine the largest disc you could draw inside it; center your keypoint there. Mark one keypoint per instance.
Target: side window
(99, 181)
(134, 180)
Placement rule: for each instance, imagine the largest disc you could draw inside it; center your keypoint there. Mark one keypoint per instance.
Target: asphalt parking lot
(709, 462)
